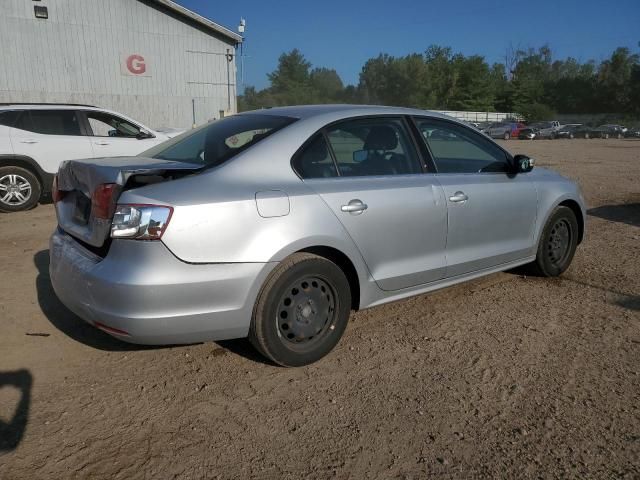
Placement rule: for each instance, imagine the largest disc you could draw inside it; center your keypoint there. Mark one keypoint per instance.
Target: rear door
(49, 137)
(491, 212)
(113, 136)
(370, 175)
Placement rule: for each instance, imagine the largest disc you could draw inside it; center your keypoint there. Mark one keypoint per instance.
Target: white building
(150, 59)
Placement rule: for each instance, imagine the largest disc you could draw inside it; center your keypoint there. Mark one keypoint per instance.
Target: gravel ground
(507, 376)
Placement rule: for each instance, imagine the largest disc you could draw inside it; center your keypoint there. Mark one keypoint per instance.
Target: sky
(345, 34)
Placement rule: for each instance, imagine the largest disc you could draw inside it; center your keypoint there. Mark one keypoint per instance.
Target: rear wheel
(557, 244)
(19, 189)
(586, 135)
(302, 311)
(619, 136)
(571, 136)
(506, 135)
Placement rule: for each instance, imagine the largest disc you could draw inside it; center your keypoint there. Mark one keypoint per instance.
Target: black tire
(301, 311)
(506, 136)
(555, 252)
(20, 189)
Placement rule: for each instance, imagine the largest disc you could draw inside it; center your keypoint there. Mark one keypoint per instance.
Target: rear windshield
(218, 141)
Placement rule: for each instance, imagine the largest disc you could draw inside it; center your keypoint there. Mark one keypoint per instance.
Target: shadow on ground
(626, 213)
(66, 321)
(11, 432)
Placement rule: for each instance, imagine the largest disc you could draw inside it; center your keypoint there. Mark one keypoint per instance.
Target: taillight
(56, 194)
(102, 200)
(140, 222)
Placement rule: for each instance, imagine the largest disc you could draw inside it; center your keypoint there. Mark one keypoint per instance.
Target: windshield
(218, 141)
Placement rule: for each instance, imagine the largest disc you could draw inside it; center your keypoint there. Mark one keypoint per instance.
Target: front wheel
(557, 245)
(506, 136)
(302, 310)
(19, 189)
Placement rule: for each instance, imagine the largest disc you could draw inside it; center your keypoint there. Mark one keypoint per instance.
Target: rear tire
(301, 311)
(557, 244)
(20, 189)
(506, 136)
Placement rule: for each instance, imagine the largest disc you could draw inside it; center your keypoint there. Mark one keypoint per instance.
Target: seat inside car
(316, 161)
(381, 143)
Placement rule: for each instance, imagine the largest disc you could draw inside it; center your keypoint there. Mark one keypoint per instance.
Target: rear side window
(8, 118)
(314, 161)
(373, 146)
(49, 122)
(218, 141)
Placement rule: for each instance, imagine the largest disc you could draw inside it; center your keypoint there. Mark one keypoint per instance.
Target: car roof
(47, 106)
(304, 112)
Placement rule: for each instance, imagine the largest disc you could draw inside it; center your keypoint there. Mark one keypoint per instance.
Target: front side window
(378, 146)
(106, 125)
(49, 122)
(457, 149)
(218, 141)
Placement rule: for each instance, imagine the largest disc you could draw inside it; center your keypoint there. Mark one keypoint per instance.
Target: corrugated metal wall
(78, 55)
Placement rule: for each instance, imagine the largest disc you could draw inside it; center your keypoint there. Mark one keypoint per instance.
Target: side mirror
(523, 164)
(360, 156)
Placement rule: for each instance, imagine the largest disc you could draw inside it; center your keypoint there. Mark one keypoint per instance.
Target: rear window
(49, 122)
(216, 142)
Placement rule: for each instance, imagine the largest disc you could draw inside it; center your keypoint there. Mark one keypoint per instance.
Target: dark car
(632, 133)
(567, 131)
(611, 131)
(528, 133)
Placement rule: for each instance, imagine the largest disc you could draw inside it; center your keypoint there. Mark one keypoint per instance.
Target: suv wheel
(302, 311)
(19, 189)
(506, 135)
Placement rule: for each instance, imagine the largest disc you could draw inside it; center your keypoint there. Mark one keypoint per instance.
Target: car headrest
(381, 138)
(318, 150)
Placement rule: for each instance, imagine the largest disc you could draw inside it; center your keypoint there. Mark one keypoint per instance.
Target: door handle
(101, 142)
(355, 207)
(29, 141)
(458, 197)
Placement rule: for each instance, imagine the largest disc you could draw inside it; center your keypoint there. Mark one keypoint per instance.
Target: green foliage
(535, 85)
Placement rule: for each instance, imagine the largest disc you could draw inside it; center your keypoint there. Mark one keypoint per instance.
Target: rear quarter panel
(6, 148)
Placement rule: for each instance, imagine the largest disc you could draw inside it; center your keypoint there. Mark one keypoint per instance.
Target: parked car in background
(528, 133)
(567, 131)
(633, 132)
(322, 209)
(35, 138)
(547, 129)
(504, 130)
(611, 131)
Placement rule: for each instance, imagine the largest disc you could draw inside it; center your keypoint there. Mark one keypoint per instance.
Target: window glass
(49, 122)
(106, 125)
(379, 146)
(218, 141)
(457, 149)
(315, 160)
(8, 118)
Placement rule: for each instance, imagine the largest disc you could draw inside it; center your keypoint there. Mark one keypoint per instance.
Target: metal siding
(75, 55)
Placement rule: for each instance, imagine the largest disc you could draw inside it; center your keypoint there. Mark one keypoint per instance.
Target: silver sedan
(275, 224)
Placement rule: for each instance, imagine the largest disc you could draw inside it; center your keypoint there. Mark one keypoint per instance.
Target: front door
(491, 212)
(368, 172)
(113, 136)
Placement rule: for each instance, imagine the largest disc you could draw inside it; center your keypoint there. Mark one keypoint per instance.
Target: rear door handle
(355, 207)
(29, 141)
(458, 197)
(101, 142)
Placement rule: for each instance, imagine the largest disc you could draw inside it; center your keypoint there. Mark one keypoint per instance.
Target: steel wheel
(559, 242)
(306, 312)
(15, 190)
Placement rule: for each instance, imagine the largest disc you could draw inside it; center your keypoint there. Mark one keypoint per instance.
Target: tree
(326, 85)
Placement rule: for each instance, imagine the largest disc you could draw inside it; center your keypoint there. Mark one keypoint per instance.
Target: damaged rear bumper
(141, 293)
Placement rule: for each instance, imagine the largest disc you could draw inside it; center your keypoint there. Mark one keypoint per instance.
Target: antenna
(243, 24)
(241, 28)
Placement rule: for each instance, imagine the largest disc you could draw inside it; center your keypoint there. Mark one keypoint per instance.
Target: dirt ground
(505, 377)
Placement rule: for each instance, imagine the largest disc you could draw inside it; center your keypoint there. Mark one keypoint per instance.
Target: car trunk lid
(89, 191)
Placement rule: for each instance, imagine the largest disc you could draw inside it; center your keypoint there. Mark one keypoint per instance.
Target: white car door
(114, 136)
(49, 136)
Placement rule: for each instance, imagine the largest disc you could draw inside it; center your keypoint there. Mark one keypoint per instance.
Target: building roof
(200, 20)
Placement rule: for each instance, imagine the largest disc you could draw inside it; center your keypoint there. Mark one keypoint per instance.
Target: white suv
(34, 139)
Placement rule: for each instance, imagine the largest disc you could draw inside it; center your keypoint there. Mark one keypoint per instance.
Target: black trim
(83, 122)
(426, 158)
